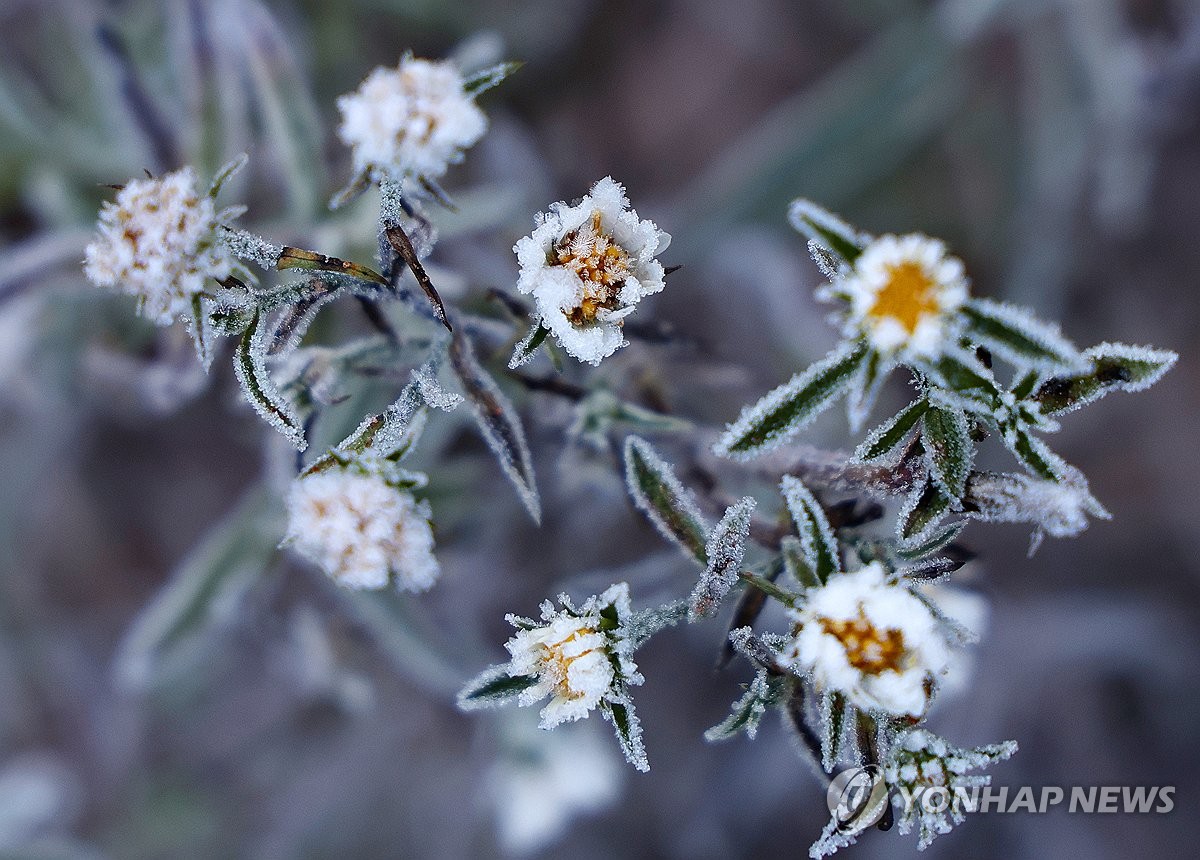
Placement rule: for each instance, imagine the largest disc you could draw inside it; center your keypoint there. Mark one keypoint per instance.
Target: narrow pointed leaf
(783, 412)
(1034, 454)
(946, 436)
(658, 494)
(484, 80)
(872, 373)
(1018, 337)
(403, 246)
(251, 371)
(200, 327)
(298, 258)
(888, 437)
(834, 714)
(827, 230)
(494, 687)
(629, 732)
(796, 563)
(764, 692)
(227, 172)
(748, 608)
(498, 422)
(725, 549)
(816, 537)
(529, 344)
(1114, 367)
(924, 509)
(938, 540)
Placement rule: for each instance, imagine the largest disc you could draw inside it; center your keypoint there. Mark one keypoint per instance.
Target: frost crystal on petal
(361, 531)
(158, 242)
(587, 266)
(870, 639)
(413, 120)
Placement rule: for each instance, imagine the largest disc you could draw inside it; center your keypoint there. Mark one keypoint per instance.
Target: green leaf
(658, 494)
(940, 539)
(783, 412)
(795, 562)
(484, 80)
(497, 421)
(1114, 367)
(528, 345)
(1017, 336)
(960, 371)
(816, 537)
(251, 371)
(887, 437)
(946, 435)
(864, 391)
(923, 510)
(1034, 454)
(227, 172)
(769, 588)
(827, 230)
(199, 326)
(494, 687)
(764, 692)
(834, 715)
(629, 732)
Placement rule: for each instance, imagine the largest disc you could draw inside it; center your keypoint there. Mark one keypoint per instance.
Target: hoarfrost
(658, 494)
(725, 549)
(248, 246)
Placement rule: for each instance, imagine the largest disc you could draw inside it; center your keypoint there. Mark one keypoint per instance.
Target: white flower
(587, 266)
(905, 293)
(413, 120)
(870, 639)
(577, 655)
(158, 242)
(361, 530)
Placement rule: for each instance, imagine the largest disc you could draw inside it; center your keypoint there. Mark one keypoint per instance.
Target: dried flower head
(578, 655)
(158, 242)
(872, 640)
(905, 293)
(361, 530)
(413, 120)
(587, 266)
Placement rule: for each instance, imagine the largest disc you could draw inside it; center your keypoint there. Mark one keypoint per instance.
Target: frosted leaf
(1114, 367)
(959, 370)
(781, 414)
(658, 494)
(336, 271)
(829, 264)
(351, 191)
(199, 326)
(1034, 454)
(230, 311)
(924, 508)
(250, 367)
(249, 246)
(753, 648)
(946, 436)
(764, 692)
(885, 439)
(484, 80)
(524, 351)
(827, 230)
(796, 563)
(1058, 508)
(395, 209)
(231, 169)
(628, 729)
(834, 716)
(598, 414)
(642, 625)
(295, 321)
(936, 541)
(432, 391)
(498, 423)
(494, 687)
(1017, 336)
(864, 390)
(816, 537)
(725, 549)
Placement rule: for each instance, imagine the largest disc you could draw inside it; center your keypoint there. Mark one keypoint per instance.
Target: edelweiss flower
(872, 640)
(905, 293)
(413, 120)
(158, 242)
(588, 266)
(361, 530)
(577, 656)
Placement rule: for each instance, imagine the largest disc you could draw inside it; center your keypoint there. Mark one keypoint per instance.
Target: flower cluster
(159, 242)
(587, 266)
(361, 530)
(411, 121)
(870, 639)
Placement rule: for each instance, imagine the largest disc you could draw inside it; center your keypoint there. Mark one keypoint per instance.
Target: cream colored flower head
(411, 121)
(577, 655)
(361, 530)
(871, 640)
(905, 293)
(159, 242)
(587, 266)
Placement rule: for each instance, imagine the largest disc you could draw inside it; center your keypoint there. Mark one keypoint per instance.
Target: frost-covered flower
(413, 120)
(905, 293)
(578, 656)
(361, 530)
(158, 242)
(587, 266)
(920, 761)
(872, 640)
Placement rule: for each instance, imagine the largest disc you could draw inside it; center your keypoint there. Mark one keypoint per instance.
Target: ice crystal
(158, 242)
(249, 246)
(587, 266)
(725, 549)
(250, 367)
(659, 495)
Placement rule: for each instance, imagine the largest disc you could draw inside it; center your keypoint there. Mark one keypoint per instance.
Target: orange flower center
(869, 649)
(560, 664)
(909, 296)
(601, 264)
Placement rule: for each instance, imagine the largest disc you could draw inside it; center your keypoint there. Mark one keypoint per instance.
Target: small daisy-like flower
(361, 530)
(578, 656)
(870, 639)
(905, 293)
(587, 266)
(158, 242)
(413, 120)
(920, 761)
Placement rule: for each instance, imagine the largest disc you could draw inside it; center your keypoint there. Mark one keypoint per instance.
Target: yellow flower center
(909, 296)
(559, 664)
(601, 264)
(869, 649)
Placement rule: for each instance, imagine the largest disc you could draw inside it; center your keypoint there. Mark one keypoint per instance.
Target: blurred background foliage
(172, 686)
